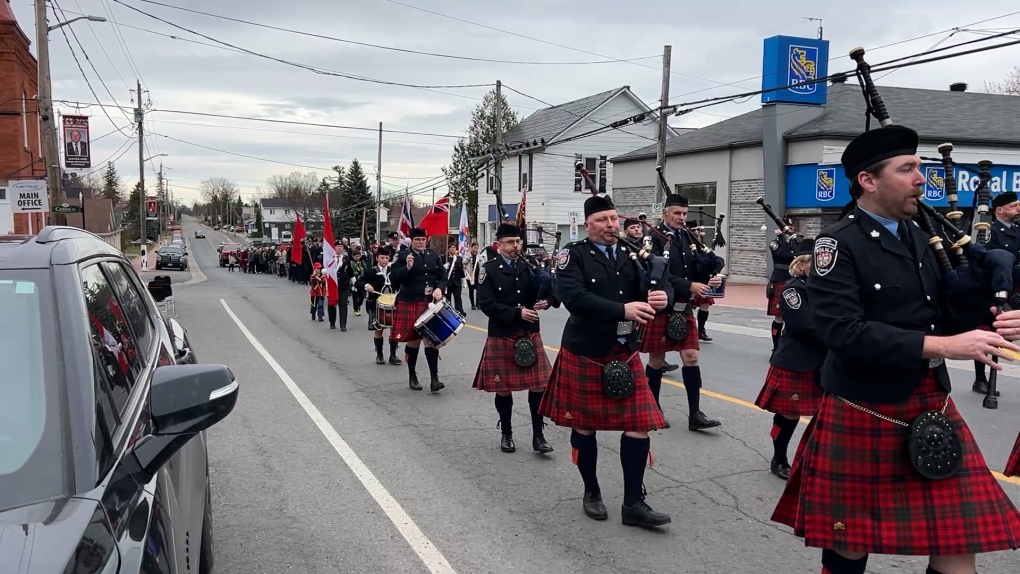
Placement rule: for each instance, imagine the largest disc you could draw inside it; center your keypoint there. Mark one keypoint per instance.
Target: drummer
(419, 273)
(376, 281)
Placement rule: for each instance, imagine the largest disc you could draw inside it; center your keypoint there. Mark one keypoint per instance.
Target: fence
(113, 238)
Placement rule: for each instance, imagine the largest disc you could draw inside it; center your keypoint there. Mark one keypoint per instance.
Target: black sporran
(677, 328)
(934, 449)
(617, 380)
(525, 353)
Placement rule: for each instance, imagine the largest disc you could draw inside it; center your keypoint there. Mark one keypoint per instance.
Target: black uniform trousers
(343, 304)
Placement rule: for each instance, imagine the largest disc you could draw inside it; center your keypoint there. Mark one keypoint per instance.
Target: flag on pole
(296, 248)
(406, 221)
(464, 237)
(520, 221)
(437, 221)
(330, 258)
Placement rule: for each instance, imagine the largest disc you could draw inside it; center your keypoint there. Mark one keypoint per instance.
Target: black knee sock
(931, 570)
(378, 346)
(654, 382)
(782, 432)
(411, 357)
(702, 319)
(979, 372)
(587, 457)
(634, 458)
(505, 406)
(692, 383)
(833, 563)
(777, 332)
(393, 348)
(432, 356)
(537, 422)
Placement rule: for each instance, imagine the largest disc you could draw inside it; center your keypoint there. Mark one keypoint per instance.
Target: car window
(172, 250)
(107, 417)
(111, 338)
(23, 408)
(133, 304)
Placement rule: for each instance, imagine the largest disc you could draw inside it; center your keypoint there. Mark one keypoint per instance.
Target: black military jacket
(455, 277)
(681, 261)
(502, 293)
(1005, 237)
(377, 279)
(412, 282)
(799, 349)
(782, 257)
(595, 291)
(873, 301)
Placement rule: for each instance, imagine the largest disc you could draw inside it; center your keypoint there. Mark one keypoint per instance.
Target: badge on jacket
(792, 298)
(774, 245)
(481, 275)
(825, 255)
(562, 259)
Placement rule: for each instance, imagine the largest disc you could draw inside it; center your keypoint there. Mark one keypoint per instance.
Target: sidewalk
(744, 296)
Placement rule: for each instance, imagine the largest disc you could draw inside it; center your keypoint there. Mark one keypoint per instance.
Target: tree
(219, 193)
(131, 218)
(462, 173)
(1009, 86)
(356, 197)
(111, 184)
(297, 188)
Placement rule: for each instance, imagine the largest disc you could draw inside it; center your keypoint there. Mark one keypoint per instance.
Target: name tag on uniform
(625, 327)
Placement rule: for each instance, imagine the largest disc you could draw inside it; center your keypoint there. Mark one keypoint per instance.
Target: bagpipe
(706, 263)
(541, 278)
(976, 278)
(787, 231)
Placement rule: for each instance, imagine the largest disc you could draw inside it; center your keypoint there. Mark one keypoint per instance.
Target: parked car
(103, 454)
(172, 257)
(225, 250)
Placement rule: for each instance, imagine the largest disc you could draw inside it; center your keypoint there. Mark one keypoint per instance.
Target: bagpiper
(513, 358)
(782, 256)
(376, 281)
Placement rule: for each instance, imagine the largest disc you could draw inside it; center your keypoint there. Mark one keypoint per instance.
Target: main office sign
(28, 196)
(826, 186)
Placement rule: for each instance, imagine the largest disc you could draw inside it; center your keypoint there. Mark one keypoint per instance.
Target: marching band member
(888, 464)
(636, 231)
(514, 357)
(657, 340)
(597, 382)
(418, 271)
(782, 256)
(375, 281)
(791, 387)
(1004, 235)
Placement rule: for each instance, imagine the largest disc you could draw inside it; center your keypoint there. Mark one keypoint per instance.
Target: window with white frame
(702, 206)
(524, 172)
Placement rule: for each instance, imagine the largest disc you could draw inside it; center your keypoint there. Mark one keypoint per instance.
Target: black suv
(172, 256)
(103, 456)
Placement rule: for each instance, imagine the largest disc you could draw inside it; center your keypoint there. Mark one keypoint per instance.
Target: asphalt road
(329, 463)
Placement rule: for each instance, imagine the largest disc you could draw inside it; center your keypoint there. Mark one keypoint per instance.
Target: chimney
(958, 87)
(838, 78)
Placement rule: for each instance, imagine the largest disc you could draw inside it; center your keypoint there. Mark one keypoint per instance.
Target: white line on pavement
(422, 546)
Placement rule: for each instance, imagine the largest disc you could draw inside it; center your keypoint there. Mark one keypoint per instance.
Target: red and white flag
(406, 221)
(331, 260)
(297, 245)
(437, 220)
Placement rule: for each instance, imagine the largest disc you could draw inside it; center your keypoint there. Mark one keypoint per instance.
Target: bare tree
(1010, 86)
(221, 194)
(296, 187)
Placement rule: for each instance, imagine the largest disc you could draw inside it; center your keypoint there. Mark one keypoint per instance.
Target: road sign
(29, 196)
(657, 208)
(66, 208)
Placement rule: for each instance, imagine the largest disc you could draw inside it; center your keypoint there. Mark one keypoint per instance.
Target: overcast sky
(716, 51)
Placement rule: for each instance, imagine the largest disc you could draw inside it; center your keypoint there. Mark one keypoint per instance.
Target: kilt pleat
(1013, 464)
(852, 487)
(791, 393)
(498, 373)
(698, 300)
(773, 309)
(404, 316)
(655, 339)
(574, 396)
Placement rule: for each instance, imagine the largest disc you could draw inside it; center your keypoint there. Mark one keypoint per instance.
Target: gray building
(789, 154)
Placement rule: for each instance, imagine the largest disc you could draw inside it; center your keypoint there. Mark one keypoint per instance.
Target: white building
(541, 154)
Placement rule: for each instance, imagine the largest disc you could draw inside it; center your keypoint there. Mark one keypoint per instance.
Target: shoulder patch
(481, 275)
(792, 298)
(774, 245)
(562, 258)
(824, 258)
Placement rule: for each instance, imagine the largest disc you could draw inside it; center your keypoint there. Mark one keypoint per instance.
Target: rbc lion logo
(825, 184)
(803, 69)
(934, 183)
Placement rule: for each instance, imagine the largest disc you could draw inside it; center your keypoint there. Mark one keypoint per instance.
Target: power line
(292, 132)
(241, 154)
(580, 117)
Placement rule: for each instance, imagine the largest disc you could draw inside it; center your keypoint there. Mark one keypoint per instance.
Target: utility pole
(378, 190)
(139, 117)
(46, 116)
(660, 150)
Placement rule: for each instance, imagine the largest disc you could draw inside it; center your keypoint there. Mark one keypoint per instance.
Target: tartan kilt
(698, 300)
(404, 317)
(1013, 464)
(773, 309)
(852, 488)
(498, 373)
(791, 393)
(655, 339)
(574, 396)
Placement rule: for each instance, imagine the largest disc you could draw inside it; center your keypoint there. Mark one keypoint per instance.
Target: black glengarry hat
(675, 199)
(877, 145)
(1003, 199)
(418, 232)
(597, 204)
(805, 247)
(628, 222)
(507, 230)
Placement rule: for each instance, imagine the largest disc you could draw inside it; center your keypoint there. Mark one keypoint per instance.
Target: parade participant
(657, 341)
(357, 270)
(343, 288)
(782, 256)
(317, 291)
(888, 465)
(513, 358)
(376, 281)
(470, 273)
(633, 229)
(791, 387)
(418, 271)
(453, 265)
(597, 382)
(701, 303)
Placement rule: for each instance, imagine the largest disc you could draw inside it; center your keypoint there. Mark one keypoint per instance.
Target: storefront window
(702, 198)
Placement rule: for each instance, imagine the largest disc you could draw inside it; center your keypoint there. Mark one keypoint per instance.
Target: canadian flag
(331, 260)
(111, 343)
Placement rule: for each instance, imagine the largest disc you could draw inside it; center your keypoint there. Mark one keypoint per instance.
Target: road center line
(422, 546)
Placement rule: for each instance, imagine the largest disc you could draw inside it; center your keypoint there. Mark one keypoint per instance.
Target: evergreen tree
(462, 173)
(356, 200)
(131, 223)
(111, 184)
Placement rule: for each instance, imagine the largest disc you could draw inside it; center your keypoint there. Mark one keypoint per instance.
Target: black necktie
(905, 237)
(610, 254)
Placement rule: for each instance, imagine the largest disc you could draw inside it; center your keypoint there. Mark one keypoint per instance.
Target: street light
(65, 23)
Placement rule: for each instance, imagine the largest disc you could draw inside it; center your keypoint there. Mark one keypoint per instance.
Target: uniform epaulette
(839, 225)
(576, 243)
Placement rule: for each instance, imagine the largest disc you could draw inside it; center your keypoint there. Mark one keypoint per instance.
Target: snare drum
(385, 309)
(440, 324)
(720, 291)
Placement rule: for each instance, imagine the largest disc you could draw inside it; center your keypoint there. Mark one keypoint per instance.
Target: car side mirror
(187, 399)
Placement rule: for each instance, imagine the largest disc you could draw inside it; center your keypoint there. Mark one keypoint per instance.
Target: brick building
(20, 136)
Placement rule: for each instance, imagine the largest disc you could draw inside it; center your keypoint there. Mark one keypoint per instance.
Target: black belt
(780, 266)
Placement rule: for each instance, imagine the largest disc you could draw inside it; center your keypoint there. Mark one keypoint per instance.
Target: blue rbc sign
(934, 183)
(792, 69)
(825, 184)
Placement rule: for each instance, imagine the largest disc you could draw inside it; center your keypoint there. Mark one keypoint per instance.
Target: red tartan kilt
(1013, 464)
(791, 393)
(853, 489)
(404, 317)
(697, 300)
(773, 309)
(498, 373)
(574, 396)
(655, 339)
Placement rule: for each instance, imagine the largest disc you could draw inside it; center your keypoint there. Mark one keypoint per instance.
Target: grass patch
(132, 251)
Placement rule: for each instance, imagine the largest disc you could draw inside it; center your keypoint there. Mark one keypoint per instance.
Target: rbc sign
(794, 64)
(825, 184)
(934, 183)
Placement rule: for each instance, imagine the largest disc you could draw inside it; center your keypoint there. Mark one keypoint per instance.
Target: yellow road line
(743, 403)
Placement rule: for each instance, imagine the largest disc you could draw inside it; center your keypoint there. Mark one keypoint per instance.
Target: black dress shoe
(437, 386)
(395, 361)
(981, 387)
(379, 360)
(412, 382)
(332, 326)
(669, 367)
(701, 422)
(643, 516)
(506, 444)
(594, 507)
(781, 469)
(704, 336)
(541, 445)
(343, 327)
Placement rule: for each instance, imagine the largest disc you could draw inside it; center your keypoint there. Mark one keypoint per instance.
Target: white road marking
(422, 546)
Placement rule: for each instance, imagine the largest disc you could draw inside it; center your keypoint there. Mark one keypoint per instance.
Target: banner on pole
(77, 147)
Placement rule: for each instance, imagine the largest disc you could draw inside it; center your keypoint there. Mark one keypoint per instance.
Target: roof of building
(937, 115)
(551, 122)
(276, 203)
(6, 13)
